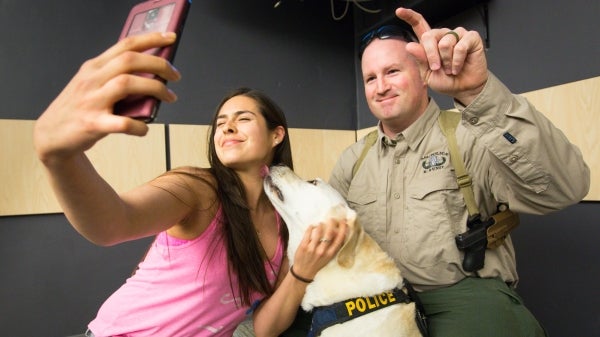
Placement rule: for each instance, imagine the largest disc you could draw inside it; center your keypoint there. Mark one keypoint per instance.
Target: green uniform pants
(474, 307)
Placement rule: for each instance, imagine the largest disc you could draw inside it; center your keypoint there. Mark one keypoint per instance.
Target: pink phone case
(146, 17)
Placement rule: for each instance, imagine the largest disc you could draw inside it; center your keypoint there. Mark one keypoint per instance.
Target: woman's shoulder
(193, 173)
(191, 170)
(193, 185)
(197, 188)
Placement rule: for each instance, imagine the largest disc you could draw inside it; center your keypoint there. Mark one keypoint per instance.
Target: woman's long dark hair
(245, 253)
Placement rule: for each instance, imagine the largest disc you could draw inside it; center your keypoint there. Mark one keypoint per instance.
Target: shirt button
(397, 161)
(513, 159)
(473, 120)
(397, 195)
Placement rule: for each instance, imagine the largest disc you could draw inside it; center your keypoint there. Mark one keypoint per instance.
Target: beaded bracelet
(300, 278)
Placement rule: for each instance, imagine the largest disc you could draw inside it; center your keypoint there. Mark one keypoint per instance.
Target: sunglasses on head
(385, 32)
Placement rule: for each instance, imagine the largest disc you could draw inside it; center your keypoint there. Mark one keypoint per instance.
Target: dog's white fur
(361, 267)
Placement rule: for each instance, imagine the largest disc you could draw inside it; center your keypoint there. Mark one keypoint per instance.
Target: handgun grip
(473, 243)
(474, 258)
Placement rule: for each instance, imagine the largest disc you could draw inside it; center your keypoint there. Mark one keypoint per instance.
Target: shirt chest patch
(435, 161)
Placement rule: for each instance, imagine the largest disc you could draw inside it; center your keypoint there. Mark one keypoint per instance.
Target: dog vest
(340, 312)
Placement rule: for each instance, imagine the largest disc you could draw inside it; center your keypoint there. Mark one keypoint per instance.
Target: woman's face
(242, 139)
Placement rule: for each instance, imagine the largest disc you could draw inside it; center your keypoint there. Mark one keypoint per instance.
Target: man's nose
(382, 85)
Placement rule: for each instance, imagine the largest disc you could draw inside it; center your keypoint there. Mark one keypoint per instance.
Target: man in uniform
(406, 192)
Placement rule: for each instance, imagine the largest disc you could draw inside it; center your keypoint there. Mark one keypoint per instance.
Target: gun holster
(482, 235)
(504, 222)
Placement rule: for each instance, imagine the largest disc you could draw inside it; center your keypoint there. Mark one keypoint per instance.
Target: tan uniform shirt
(407, 198)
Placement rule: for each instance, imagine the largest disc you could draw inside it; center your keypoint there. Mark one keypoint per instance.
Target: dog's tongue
(264, 171)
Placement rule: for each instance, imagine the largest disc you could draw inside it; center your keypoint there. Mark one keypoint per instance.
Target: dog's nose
(275, 191)
(264, 171)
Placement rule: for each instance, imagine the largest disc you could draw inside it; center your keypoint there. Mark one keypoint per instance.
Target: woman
(220, 246)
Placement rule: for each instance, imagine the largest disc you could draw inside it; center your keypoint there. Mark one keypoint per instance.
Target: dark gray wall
(296, 53)
(557, 260)
(52, 281)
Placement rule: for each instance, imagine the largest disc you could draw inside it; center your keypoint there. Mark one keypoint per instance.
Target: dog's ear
(345, 257)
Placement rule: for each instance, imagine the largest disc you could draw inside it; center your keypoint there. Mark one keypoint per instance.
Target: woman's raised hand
(82, 113)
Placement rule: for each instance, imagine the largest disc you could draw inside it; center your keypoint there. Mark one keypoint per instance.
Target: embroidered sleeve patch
(510, 137)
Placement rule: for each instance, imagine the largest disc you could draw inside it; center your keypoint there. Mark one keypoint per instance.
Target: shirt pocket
(371, 214)
(435, 210)
(361, 197)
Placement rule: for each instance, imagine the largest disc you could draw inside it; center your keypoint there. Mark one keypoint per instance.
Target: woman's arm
(277, 312)
(82, 115)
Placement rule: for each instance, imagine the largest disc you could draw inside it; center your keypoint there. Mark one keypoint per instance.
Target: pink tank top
(173, 295)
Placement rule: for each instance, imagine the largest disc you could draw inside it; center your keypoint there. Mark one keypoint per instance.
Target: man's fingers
(418, 52)
(414, 19)
(455, 51)
(446, 47)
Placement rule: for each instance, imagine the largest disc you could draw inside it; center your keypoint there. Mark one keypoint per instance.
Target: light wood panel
(363, 132)
(124, 161)
(188, 145)
(314, 151)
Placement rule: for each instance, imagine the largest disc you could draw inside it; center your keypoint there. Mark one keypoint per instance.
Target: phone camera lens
(152, 15)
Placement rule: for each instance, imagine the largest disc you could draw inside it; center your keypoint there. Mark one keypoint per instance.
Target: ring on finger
(321, 240)
(453, 33)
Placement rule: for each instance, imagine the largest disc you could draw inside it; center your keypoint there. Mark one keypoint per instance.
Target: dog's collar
(340, 312)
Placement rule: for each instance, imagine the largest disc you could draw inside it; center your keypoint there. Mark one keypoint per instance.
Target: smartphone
(152, 16)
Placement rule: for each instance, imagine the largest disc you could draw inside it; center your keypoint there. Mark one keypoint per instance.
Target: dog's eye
(314, 182)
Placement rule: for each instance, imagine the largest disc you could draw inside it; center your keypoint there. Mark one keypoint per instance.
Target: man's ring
(451, 32)
(324, 240)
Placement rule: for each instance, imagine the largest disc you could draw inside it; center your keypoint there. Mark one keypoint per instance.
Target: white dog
(360, 292)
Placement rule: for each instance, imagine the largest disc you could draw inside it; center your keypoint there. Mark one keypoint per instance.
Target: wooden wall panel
(124, 161)
(24, 187)
(127, 161)
(315, 151)
(188, 145)
(363, 132)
